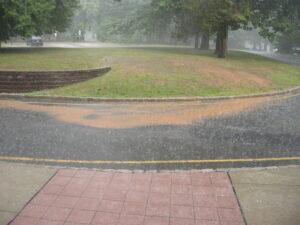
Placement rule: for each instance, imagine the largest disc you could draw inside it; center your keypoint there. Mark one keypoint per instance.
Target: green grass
(157, 72)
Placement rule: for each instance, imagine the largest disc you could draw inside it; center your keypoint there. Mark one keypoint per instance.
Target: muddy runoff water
(129, 115)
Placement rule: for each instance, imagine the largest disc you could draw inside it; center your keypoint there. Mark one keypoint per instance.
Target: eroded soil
(139, 114)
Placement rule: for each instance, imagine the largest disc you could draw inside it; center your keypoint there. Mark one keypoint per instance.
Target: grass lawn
(157, 72)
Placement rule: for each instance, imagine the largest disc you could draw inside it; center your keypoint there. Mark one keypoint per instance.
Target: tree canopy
(208, 17)
(28, 17)
(136, 20)
(273, 16)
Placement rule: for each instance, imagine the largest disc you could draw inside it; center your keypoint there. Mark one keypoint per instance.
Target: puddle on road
(141, 114)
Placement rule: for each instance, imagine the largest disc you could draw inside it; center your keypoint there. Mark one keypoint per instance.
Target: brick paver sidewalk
(84, 197)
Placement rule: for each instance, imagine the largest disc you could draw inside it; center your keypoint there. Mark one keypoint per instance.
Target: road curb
(22, 97)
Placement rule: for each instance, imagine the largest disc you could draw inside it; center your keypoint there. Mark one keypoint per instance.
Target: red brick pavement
(84, 197)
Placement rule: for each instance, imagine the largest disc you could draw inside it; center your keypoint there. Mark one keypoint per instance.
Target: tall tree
(194, 20)
(275, 16)
(228, 14)
(28, 17)
(134, 20)
(85, 19)
(193, 17)
(209, 16)
(288, 42)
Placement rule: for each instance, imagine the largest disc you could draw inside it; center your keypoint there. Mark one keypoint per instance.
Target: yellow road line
(291, 96)
(146, 162)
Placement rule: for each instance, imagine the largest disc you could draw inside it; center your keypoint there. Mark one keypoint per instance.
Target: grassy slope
(153, 72)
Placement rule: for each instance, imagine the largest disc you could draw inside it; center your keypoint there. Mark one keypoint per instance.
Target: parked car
(35, 41)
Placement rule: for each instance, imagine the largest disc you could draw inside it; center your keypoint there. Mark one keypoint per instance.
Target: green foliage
(117, 21)
(128, 21)
(273, 16)
(108, 19)
(189, 17)
(28, 17)
(288, 42)
(208, 16)
(185, 18)
(85, 18)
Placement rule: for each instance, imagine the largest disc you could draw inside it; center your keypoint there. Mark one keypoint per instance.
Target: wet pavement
(43, 195)
(270, 196)
(87, 44)
(289, 59)
(227, 138)
(105, 198)
(19, 183)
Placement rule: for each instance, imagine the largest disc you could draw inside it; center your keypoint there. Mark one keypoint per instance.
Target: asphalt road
(270, 130)
(289, 59)
(84, 45)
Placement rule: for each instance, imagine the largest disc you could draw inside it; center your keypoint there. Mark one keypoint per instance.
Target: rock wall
(28, 81)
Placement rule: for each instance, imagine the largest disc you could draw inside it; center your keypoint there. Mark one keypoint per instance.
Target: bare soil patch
(215, 75)
(218, 75)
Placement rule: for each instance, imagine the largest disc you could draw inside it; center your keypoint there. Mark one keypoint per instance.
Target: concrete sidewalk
(269, 197)
(87, 197)
(18, 184)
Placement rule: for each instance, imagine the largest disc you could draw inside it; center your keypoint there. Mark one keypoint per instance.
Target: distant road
(290, 59)
(86, 45)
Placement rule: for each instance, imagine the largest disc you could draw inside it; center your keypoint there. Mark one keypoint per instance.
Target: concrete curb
(22, 97)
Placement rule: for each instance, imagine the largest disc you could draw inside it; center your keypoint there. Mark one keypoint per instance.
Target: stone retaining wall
(28, 81)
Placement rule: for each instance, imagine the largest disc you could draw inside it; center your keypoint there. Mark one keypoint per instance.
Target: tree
(134, 21)
(218, 17)
(194, 20)
(278, 21)
(85, 19)
(275, 16)
(28, 17)
(227, 14)
(209, 16)
(288, 42)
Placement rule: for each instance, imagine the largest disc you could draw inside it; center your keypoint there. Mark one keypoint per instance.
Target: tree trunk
(259, 46)
(205, 41)
(265, 46)
(254, 45)
(217, 43)
(197, 41)
(223, 41)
